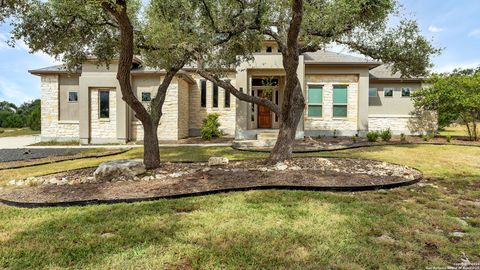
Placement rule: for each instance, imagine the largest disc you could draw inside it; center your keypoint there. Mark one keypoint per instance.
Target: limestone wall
(325, 125)
(103, 129)
(52, 127)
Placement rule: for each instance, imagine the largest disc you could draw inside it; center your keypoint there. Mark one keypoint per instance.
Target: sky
(453, 25)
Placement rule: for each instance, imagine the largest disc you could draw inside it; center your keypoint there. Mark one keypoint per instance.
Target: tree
(300, 26)
(456, 93)
(33, 119)
(76, 29)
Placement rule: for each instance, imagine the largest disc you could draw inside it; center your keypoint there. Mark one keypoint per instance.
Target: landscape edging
(210, 192)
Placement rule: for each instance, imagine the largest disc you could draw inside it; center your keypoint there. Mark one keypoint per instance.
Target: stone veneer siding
(169, 123)
(103, 130)
(197, 113)
(327, 124)
(52, 127)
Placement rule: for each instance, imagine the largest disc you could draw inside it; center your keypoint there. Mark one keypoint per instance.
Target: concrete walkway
(18, 142)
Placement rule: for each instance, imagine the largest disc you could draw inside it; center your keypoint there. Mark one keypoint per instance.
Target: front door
(264, 114)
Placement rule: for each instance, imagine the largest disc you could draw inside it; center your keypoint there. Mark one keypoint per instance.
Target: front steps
(265, 139)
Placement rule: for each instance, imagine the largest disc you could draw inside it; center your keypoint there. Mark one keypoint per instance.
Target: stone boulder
(217, 161)
(115, 170)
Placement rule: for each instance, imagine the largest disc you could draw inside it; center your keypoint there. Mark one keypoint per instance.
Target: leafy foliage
(454, 96)
(372, 136)
(386, 135)
(211, 127)
(27, 114)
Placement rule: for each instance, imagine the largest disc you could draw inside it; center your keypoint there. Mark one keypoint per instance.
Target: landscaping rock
(458, 234)
(386, 238)
(280, 166)
(217, 161)
(117, 169)
(462, 222)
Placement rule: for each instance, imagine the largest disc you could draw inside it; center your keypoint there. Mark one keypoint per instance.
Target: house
(345, 95)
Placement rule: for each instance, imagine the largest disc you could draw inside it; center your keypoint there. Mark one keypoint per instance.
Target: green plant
(449, 138)
(372, 136)
(211, 127)
(2, 131)
(33, 119)
(354, 139)
(386, 135)
(402, 137)
(431, 136)
(334, 133)
(425, 137)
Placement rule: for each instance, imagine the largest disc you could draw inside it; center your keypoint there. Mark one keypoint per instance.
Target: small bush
(354, 139)
(386, 135)
(2, 131)
(431, 136)
(402, 137)
(425, 137)
(449, 138)
(33, 120)
(372, 136)
(210, 128)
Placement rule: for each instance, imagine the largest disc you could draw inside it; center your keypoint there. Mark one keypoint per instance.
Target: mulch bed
(193, 140)
(179, 179)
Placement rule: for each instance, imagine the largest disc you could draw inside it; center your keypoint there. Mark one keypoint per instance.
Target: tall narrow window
(276, 102)
(252, 118)
(340, 101)
(203, 93)
(315, 100)
(227, 99)
(215, 96)
(104, 103)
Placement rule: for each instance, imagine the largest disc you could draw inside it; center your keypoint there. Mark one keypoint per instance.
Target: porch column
(300, 134)
(241, 106)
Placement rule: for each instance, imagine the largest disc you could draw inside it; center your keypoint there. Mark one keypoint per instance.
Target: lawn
(457, 130)
(404, 228)
(14, 132)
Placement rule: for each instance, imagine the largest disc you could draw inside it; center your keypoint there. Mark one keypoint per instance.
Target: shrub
(13, 121)
(402, 137)
(431, 136)
(210, 128)
(372, 136)
(2, 131)
(386, 135)
(425, 137)
(354, 139)
(33, 120)
(449, 138)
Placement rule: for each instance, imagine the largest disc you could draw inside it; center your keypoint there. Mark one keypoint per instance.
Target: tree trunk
(293, 100)
(151, 152)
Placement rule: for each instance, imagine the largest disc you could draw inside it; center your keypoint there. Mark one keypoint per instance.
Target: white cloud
(474, 33)
(13, 92)
(451, 67)
(435, 29)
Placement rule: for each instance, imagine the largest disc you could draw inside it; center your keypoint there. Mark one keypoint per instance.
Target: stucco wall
(327, 124)
(52, 127)
(396, 105)
(103, 129)
(68, 110)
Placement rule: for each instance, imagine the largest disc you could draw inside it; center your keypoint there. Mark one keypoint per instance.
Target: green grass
(57, 143)
(264, 229)
(459, 130)
(14, 132)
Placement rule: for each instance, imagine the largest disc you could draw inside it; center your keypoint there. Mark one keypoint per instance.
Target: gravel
(26, 153)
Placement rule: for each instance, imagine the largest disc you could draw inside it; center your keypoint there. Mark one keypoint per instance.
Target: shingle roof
(54, 70)
(328, 57)
(384, 72)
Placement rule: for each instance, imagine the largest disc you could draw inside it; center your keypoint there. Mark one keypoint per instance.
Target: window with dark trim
(406, 91)
(276, 102)
(72, 96)
(227, 99)
(340, 99)
(104, 104)
(252, 118)
(146, 96)
(203, 93)
(215, 96)
(269, 49)
(388, 92)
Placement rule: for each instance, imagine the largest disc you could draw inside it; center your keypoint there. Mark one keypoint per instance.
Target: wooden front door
(264, 114)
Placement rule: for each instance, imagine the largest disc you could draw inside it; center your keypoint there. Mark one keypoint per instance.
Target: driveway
(18, 142)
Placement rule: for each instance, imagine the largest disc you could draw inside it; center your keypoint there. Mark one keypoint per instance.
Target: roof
(58, 69)
(384, 72)
(334, 58)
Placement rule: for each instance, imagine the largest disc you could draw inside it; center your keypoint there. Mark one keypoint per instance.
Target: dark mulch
(194, 140)
(198, 177)
(26, 153)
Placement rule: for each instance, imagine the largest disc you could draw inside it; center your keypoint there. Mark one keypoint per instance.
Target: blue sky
(451, 24)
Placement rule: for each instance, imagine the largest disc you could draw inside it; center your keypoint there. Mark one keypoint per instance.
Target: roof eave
(369, 64)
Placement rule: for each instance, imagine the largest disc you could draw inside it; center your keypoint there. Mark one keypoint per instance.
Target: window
(104, 104)
(146, 96)
(406, 91)
(72, 96)
(203, 93)
(315, 99)
(269, 49)
(372, 92)
(252, 118)
(388, 92)
(227, 99)
(215, 96)
(276, 102)
(340, 101)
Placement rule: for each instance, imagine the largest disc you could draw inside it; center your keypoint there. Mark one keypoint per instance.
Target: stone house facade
(345, 96)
